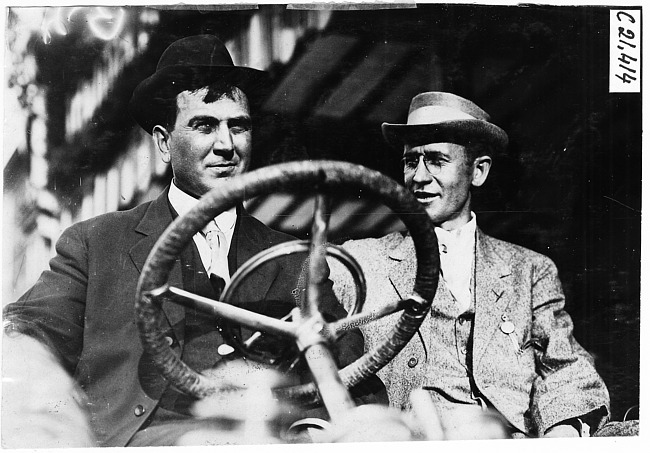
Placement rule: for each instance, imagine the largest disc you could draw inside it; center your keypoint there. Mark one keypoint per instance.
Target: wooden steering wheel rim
(329, 176)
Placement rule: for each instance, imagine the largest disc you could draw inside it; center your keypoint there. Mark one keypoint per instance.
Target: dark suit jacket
(85, 306)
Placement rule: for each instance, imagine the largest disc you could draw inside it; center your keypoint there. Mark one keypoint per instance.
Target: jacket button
(412, 362)
(139, 410)
(225, 349)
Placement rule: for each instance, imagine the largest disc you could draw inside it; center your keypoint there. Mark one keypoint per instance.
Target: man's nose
(223, 140)
(422, 174)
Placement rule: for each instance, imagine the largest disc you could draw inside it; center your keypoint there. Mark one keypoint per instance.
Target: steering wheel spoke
(360, 319)
(275, 350)
(223, 310)
(317, 270)
(250, 342)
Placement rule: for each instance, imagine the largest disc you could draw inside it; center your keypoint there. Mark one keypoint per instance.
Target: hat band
(436, 114)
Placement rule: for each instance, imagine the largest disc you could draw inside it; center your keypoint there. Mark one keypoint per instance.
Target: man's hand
(562, 430)
(465, 423)
(42, 406)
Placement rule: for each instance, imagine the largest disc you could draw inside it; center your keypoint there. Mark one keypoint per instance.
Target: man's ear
(481, 170)
(161, 138)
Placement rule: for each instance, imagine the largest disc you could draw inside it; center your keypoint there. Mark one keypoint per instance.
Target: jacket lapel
(250, 238)
(154, 222)
(492, 298)
(402, 269)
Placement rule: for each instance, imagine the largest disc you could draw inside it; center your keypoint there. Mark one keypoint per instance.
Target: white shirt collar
(183, 202)
(460, 236)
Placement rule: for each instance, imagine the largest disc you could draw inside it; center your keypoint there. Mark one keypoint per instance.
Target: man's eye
(240, 127)
(411, 162)
(204, 127)
(433, 161)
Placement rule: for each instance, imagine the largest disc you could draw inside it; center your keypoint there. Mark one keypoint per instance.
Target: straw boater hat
(436, 117)
(205, 55)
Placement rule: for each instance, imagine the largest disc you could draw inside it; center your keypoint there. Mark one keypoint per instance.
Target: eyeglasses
(432, 163)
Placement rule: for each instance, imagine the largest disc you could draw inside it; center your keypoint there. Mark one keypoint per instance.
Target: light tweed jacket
(552, 380)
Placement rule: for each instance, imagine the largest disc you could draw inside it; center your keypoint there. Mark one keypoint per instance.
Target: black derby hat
(205, 55)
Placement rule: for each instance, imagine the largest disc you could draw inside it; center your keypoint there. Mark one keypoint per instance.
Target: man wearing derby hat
(196, 107)
(497, 338)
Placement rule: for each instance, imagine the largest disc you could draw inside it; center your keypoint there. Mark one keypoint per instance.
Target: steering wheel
(251, 348)
(307, 327)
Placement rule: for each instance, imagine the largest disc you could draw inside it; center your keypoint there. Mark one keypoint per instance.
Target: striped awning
(350, 218)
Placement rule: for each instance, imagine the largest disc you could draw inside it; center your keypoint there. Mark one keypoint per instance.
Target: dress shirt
(457, 261)
(183, 202)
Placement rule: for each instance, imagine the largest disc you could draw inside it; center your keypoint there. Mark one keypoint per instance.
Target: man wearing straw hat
(197, 107)
(498, 337)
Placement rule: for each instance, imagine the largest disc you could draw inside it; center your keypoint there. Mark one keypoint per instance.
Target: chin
(436, 217)
(431, 210)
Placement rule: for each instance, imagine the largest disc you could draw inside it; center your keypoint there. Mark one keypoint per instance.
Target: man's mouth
(425, 197)
(223, 165)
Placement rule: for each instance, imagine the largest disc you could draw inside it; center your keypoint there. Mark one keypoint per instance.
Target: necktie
(218, 268)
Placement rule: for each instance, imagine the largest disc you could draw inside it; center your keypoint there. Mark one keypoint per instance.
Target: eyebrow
(242, 119)
(432, 153)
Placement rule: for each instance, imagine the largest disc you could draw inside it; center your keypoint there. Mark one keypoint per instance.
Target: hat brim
(145, 108)
(462, 132)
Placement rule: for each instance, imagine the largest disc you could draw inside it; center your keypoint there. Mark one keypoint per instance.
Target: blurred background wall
(569, 186)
